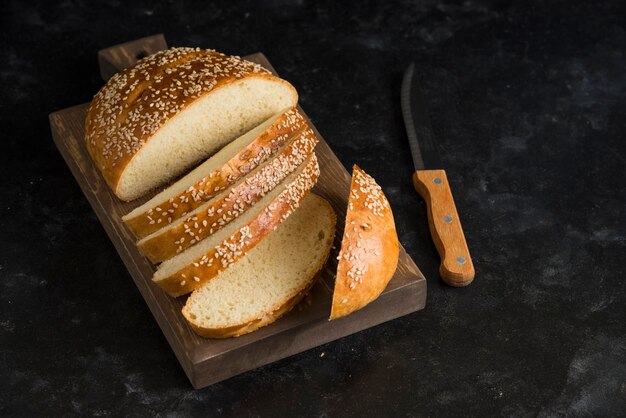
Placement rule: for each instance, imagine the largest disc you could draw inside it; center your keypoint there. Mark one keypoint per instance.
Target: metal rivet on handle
(461, 260)
(447, 219)
(437, 180)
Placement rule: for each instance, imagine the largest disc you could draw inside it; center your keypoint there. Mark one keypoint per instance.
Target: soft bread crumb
(200, 130)
(202, 171)
(225, 167)
(270, 275)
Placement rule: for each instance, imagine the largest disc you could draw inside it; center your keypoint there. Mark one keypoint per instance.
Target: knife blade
(431, 182)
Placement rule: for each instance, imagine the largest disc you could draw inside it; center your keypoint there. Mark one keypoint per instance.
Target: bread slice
(217, 173)
(156, 119)
(227, 206)
(270, 280)
(369, 249)
(202, 262)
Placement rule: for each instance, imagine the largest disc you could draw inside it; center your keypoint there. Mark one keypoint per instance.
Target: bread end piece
(369, 249)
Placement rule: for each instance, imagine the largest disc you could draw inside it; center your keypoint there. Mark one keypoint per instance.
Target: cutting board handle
(114, 59)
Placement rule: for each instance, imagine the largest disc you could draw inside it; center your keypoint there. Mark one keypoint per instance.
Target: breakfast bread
(229, 205)
(270, 280)
(216, 174)
(369, 249)
(197, 265)
(170, 110)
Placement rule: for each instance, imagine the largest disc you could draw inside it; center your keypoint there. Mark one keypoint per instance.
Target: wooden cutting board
(207, 361)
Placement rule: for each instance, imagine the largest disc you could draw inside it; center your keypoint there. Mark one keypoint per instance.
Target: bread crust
(369, 249)
(198, 225)
(247, 237)
(135, 103)
(279, 309)
(247, 159)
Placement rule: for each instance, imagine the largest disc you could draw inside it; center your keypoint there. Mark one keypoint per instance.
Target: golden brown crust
(369, 249)
(247, 159)
(247, 237)
(136, 102)
(200, 224)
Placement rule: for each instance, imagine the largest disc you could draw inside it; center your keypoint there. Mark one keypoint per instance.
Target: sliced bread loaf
(154, 120)
(227, 206)
(270, 280)
(369, 249)
(190, 269)
(214, 175)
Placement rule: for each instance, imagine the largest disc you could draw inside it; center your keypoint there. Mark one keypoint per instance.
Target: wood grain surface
(456, 268)
(207, 361)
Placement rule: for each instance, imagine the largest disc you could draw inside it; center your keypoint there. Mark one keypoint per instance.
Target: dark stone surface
(529, 103)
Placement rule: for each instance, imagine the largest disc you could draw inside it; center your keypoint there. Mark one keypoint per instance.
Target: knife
(430, 181)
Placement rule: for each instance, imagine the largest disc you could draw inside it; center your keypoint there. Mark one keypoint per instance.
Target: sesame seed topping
(226, 207)
(375, 199)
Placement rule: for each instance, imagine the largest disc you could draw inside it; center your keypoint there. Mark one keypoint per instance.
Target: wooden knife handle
(456, 267)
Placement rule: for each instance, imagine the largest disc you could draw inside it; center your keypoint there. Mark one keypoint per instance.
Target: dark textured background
(529, 103)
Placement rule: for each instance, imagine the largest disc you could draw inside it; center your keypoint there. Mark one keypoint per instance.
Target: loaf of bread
(270, 280)
(216, 174)
(202, 262)
(369, 249)
(156, 119)
(229, 205)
